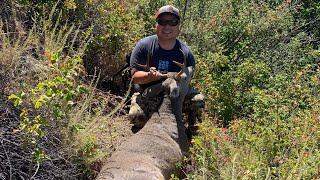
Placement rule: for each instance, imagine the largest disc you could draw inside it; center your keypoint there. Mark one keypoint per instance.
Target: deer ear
(191, 70)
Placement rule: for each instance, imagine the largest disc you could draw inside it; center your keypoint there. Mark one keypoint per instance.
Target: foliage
(279, 140)
(49, 83)
(51, 99)
(263, 149)
(116, 29)
(259, 71)
(308, 12)
(44, 74)
(257, 64)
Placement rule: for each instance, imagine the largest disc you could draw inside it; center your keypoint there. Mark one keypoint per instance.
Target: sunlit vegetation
(258, 64)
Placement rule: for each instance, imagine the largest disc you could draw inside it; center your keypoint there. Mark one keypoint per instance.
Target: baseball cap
(168, 9)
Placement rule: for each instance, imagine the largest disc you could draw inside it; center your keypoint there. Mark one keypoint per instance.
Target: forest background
(258, 65)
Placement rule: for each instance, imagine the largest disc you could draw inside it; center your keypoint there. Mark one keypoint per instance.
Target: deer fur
(152, 153)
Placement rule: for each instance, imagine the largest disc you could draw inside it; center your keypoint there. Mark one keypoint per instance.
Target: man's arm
(142, 77)
(140, 54)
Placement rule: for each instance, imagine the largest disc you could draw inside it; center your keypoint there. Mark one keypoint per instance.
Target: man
(161, 49)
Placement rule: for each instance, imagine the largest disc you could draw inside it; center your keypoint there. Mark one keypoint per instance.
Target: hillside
(258, 64)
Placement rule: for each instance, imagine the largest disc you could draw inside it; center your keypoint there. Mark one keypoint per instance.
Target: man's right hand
(142, 77)
(154, 74)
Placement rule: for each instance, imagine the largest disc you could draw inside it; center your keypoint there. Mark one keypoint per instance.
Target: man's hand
(154, 74)
(143, 77)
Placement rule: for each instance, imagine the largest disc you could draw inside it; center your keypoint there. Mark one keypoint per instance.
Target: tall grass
(48, 82)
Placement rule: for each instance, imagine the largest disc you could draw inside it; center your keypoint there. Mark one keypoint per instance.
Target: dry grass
(97, 123)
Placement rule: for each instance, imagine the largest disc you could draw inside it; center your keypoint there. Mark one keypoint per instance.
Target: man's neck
(167, 44)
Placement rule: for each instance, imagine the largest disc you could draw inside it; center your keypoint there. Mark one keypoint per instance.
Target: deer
(154, 151)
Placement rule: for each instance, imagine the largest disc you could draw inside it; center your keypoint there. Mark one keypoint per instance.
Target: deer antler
(182, 66)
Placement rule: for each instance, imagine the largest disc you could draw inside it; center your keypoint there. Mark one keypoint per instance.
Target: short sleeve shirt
(161, 59)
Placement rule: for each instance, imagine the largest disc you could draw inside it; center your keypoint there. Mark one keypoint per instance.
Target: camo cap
(168, 9)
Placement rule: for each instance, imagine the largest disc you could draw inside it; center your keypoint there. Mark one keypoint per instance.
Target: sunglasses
(164, 22)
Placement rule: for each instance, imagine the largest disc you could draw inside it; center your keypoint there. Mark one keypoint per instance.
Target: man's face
(167, 27)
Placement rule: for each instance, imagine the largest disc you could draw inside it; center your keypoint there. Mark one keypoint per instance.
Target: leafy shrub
(279, 145)
(116, 30)
(259, 76)
(44, 75)
(51, 99)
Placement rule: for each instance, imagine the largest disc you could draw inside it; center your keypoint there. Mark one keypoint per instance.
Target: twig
(38, 165)
(4, 149)
(6, 33)
(297, 29)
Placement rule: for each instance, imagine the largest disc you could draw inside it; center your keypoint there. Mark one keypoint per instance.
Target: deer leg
(137, 113)
(142, 109)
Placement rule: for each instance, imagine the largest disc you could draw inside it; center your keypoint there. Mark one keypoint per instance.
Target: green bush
(45, 77)
(116, 29)
(260, 75)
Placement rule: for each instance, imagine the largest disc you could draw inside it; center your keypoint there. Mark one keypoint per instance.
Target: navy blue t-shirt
(161, 59)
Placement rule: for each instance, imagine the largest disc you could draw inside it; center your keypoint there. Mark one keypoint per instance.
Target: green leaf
(16, 130)
(23, 113)
(21, 94)
(24, 123)
(38, 104)
(78, 60)
(13, 96)
(39, 155)
(82, 89)
(49, 92)
(17, 101)
(40, 86)
(59, 78)
(33, 141)
(70, 83)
